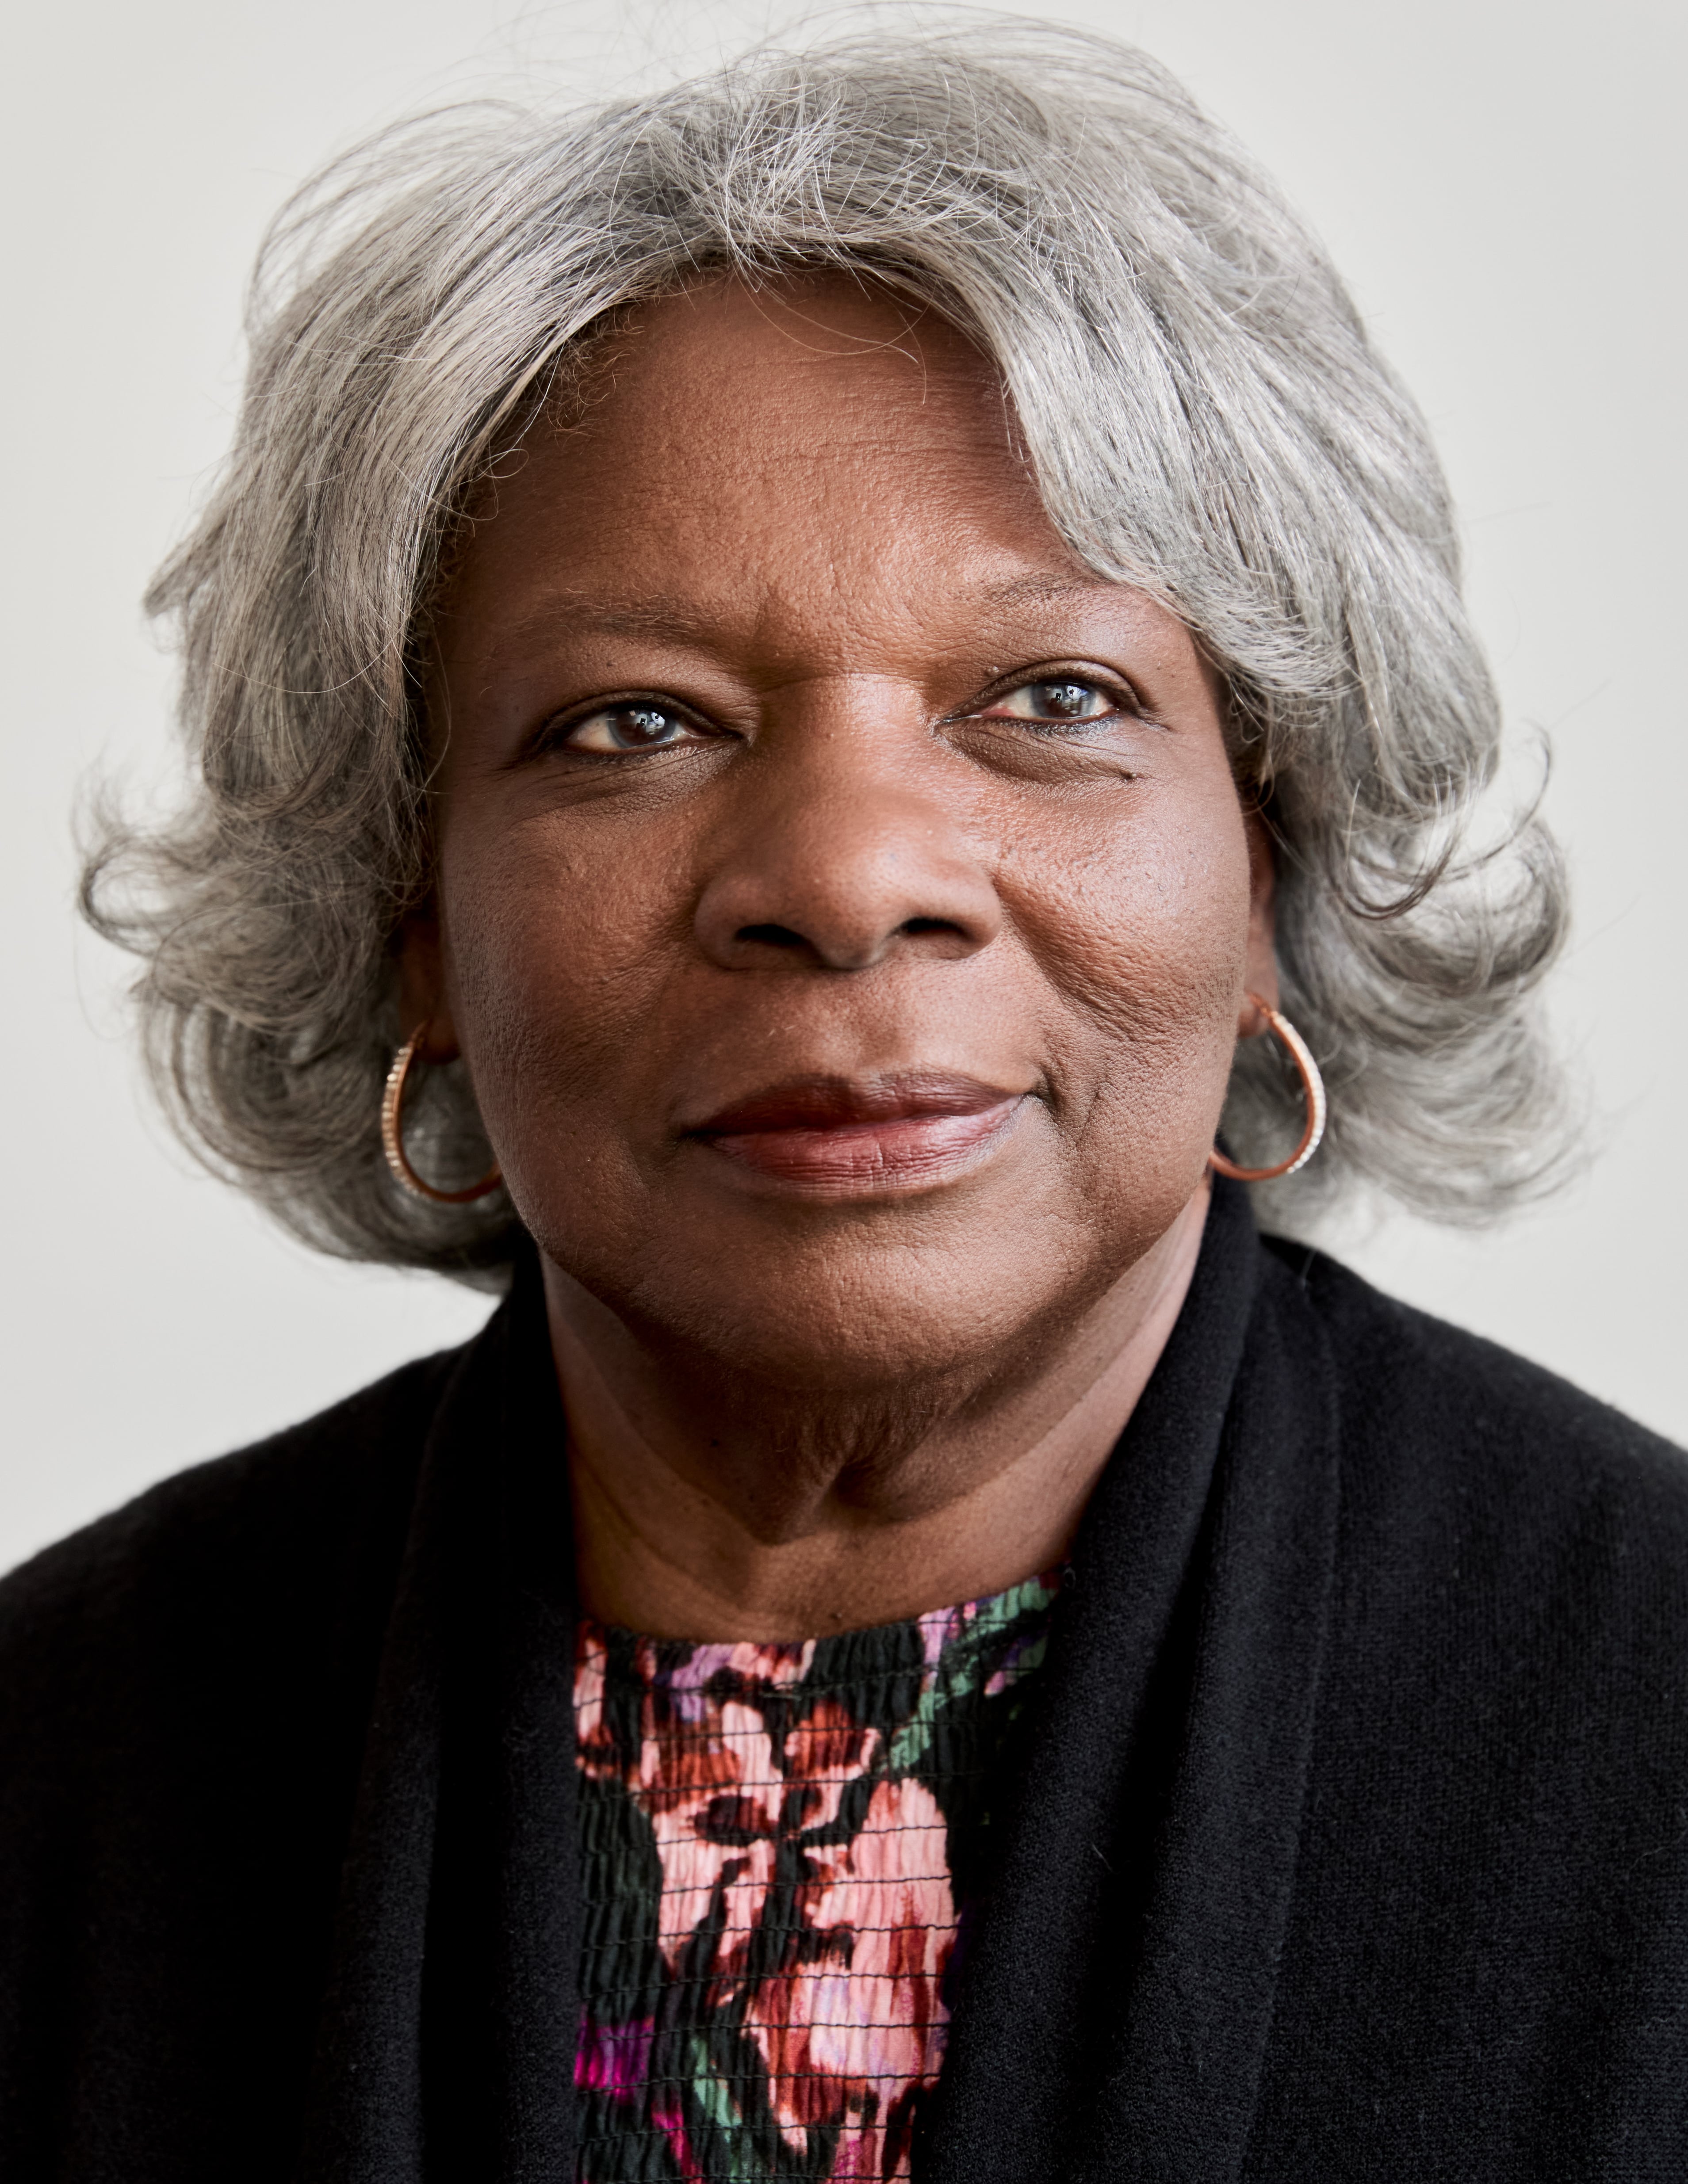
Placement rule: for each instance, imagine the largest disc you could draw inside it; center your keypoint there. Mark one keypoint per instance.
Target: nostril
(912, 926)
(771, 936)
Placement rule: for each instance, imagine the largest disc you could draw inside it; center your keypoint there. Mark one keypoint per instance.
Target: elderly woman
(818, 698)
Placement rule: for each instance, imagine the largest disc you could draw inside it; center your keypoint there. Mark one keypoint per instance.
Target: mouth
(839, 1137)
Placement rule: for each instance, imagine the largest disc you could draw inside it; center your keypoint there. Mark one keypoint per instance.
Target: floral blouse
(777, 1844)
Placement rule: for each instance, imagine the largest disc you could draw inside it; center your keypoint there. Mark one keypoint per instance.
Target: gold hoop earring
(393, 1135)
(1313, 1087)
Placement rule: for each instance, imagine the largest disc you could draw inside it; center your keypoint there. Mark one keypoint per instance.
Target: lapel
(1116, 1988)
(446, 2049)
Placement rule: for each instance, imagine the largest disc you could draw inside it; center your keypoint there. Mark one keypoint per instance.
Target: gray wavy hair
(1205, 417)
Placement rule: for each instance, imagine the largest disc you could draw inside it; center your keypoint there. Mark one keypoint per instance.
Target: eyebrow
(1043, 588)
(671, 622)
(665, 619)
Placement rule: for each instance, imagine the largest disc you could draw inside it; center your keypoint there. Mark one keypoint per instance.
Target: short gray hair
(1206, 419)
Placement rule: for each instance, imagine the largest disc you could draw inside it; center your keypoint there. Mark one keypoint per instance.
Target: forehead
(817, 367)
(760, 453)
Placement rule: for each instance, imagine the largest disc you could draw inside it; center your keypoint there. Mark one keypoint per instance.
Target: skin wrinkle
(444, 295)
(791, 1413)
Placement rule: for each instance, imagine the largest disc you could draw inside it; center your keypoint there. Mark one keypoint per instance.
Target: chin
(855, 1300)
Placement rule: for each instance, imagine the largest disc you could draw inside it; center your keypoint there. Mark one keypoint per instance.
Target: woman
(801, 684)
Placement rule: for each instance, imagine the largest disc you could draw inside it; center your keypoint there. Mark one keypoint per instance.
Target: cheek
(554, 953)
(1140, 929)
(573, 974)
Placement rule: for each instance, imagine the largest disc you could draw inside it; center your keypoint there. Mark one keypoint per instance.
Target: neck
(709, 1508)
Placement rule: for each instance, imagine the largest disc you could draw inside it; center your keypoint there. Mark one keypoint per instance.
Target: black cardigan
(1353, 1843)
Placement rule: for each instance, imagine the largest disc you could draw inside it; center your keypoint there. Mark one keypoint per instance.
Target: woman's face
(845, 905)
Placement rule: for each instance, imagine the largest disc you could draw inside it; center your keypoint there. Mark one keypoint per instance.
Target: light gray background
(1502, 183)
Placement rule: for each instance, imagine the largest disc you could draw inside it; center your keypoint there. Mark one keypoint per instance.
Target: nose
(840, 857)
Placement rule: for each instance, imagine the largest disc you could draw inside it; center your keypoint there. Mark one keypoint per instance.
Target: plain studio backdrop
(1501, 181)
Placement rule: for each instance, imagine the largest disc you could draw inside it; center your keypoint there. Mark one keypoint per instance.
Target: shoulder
(185, 1689)
(1493, 1864)
(249, 1543)
(1482, 1495)
(1407, 1376)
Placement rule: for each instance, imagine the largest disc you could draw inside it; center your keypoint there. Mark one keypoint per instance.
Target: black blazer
(1352, 1841)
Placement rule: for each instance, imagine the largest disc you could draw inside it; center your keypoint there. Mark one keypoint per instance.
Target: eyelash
(1115, 696)
(554, 735)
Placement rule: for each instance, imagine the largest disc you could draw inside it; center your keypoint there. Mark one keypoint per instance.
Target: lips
(839, 1137)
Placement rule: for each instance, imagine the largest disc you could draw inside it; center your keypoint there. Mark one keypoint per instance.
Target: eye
(634, 727)
(1063, 700)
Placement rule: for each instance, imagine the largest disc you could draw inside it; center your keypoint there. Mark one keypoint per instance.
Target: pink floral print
(771, 1913)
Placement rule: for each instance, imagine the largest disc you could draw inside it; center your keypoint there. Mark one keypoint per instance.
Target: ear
(1260, 972)
(421, 986)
